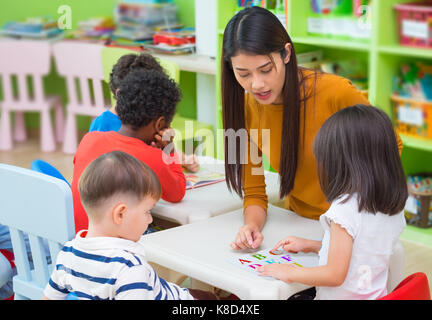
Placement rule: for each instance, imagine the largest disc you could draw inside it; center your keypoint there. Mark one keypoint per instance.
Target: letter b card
(253, 260)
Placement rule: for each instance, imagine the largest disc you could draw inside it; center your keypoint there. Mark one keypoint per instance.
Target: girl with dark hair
(361, 175)
(264, 90)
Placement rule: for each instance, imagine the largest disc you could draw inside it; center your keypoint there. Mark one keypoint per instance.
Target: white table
(211, 200)
(202, 251)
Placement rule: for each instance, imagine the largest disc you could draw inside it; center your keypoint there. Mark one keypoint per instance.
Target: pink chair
(27, 59)
(80, 61)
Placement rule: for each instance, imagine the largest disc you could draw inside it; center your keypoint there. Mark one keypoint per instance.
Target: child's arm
(332, 274)
(296, 244)
(140, 282)
(189, 162)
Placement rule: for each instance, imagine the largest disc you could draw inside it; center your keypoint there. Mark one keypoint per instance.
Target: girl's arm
(332, 274)
(296, 244)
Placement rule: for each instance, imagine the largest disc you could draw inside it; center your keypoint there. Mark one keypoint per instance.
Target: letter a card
(253, 260)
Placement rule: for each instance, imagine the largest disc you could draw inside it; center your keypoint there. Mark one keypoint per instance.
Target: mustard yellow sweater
(332, 93)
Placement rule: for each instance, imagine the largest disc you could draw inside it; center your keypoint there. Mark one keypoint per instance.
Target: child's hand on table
(282, 272)
(190, 162)
(293, 244)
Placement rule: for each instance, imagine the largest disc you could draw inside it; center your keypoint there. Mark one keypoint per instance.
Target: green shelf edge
(333, 43)
(417, 235)
(414, 142)
(406, 51)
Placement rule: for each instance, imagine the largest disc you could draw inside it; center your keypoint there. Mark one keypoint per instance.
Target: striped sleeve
(54, 290)
(140, 282)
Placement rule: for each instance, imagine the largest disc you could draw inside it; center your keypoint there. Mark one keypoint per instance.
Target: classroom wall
(18, 10)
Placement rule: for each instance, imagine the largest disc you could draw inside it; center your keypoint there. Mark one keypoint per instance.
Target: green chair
(186, 128)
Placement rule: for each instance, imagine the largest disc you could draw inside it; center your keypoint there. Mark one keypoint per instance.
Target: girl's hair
(145, 96)
(357, 152)
(117, 172)
(257, 31)
(130, 62)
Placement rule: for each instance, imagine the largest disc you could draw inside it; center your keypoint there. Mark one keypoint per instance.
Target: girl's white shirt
(374, 237)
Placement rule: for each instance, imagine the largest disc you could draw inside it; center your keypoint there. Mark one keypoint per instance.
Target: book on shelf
(32, 28)
(97, 29)
(168, 49)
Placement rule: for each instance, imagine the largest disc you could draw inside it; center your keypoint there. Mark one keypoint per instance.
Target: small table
(202, 251)
(211, 200)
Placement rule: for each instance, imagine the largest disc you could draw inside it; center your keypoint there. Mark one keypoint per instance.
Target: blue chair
(45, 167)
(38, 206)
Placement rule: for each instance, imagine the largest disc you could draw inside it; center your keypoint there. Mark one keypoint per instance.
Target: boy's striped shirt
(107, 268)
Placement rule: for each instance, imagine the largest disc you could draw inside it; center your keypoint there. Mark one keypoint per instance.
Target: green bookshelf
(382, 55)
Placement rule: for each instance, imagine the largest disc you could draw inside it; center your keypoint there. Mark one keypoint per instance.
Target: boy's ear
(160, 123)
(118, 212)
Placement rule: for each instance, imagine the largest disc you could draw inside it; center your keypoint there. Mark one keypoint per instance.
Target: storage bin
(418, 208)
(415, 23)
(412, 117)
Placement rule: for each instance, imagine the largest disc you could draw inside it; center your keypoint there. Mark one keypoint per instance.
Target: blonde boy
(107, 261)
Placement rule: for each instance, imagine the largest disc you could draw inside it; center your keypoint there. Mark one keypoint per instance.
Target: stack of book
(98, 29)
(173, 41)
(137, 22)
(32, 28)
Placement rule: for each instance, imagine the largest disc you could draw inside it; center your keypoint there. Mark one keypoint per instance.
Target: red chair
(413, 287)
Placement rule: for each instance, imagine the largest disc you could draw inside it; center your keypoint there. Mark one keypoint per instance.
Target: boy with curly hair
(146, 104)
(109, 119)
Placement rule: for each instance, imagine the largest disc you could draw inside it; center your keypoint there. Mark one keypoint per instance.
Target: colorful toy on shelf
(414, 81)
(277, 7)
(332, 6)
(412, 99)
(249, 3)
(418, 208)
(345, 19)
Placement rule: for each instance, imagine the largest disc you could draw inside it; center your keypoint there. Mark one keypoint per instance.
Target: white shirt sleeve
(140, 282)
(344, 214)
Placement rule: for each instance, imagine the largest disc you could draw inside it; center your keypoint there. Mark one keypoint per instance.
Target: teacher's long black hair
(255, 30)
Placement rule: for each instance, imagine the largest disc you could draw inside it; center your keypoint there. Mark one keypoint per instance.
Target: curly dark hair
(145, 96)
(128, 63)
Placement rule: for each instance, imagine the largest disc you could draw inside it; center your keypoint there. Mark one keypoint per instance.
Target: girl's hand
(248, 237)
(190, 163)
(282, 272)
(293, 244)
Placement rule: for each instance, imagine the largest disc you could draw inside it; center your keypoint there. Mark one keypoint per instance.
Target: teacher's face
(262, 76)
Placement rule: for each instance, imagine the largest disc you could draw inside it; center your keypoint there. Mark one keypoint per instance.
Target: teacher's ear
(286, 55)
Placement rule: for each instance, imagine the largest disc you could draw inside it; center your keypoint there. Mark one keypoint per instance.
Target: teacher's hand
(248, 237)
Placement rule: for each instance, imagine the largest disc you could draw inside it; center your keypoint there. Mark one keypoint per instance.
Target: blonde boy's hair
(114, 173)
